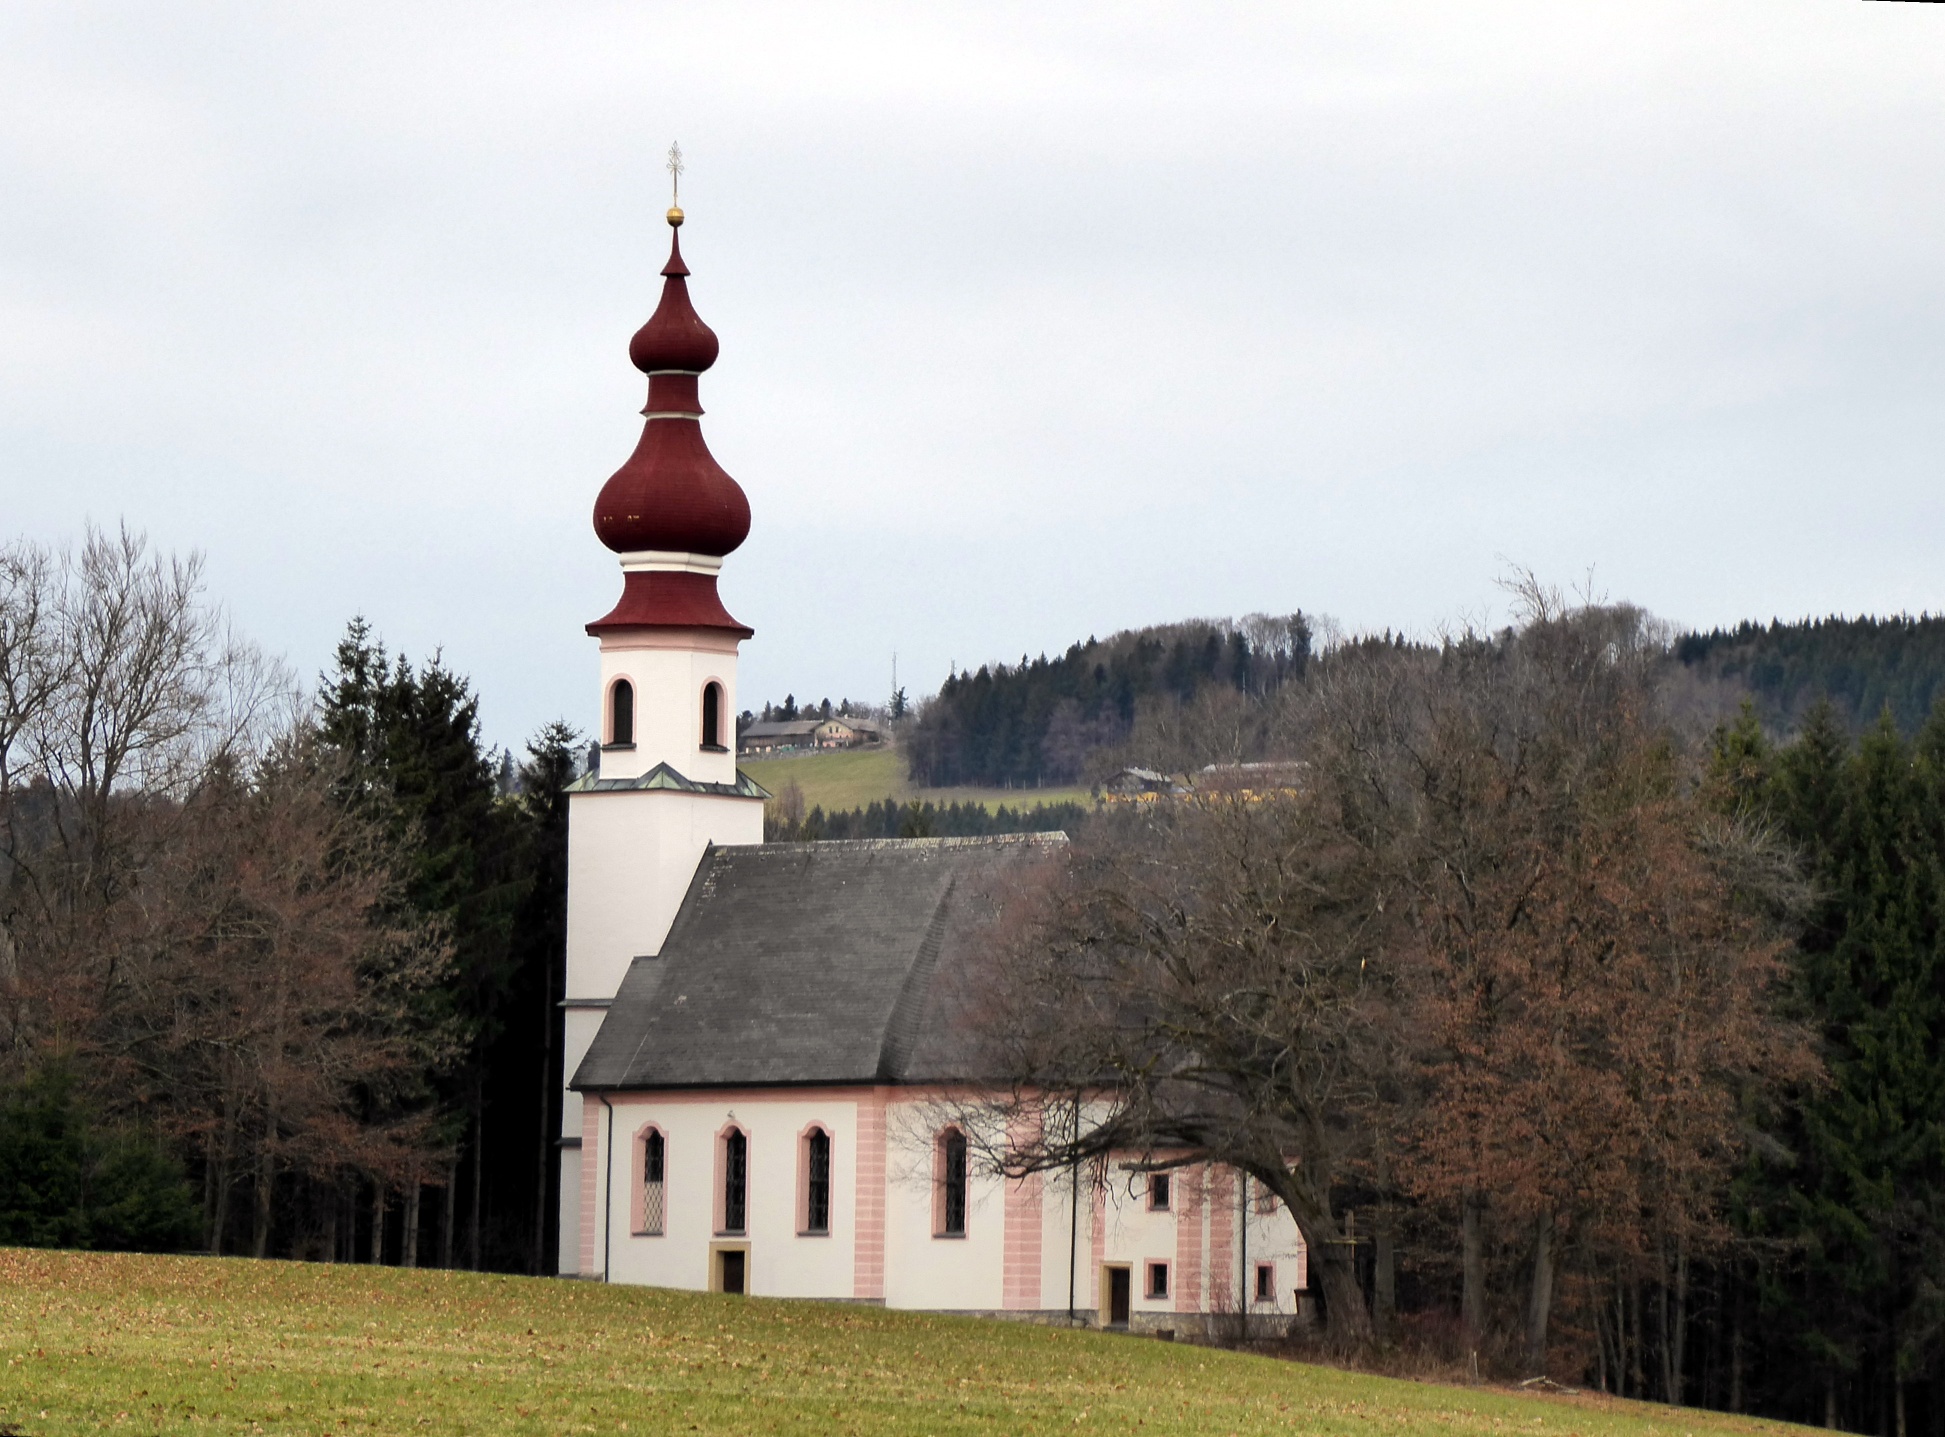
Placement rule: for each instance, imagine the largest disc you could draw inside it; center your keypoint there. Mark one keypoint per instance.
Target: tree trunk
(220, 1220)
(331, 1224)
(1735, 1352)
(479, 1173)
(266, 1187)
(377, 1221)
(409, 1256)
(1637, 1374)
(452, 1213)
(1347, 1319)
(1678, 1340)
(1384, 1275)
(545, 1163)
(1539, 1306)
(1830, 1400)
(1472, 1303)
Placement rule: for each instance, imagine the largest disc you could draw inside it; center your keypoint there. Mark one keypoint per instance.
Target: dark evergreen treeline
(1830, 1306)
(489, 866)
(1036, 723)
(1862, 666)
(892, 819)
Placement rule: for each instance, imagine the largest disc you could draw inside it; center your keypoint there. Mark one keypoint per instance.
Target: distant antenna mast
(675, 167)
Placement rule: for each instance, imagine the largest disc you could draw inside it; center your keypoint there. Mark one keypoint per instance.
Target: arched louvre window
(653, 1188)
(951, 1213)
(736, 1180)
(712, 715)
(817, 1181)
(621, 713)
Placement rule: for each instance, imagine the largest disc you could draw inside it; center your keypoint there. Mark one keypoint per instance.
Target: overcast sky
(1037, 321)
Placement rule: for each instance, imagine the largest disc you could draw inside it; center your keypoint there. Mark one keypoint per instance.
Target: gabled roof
(824, 963)
(775, 728)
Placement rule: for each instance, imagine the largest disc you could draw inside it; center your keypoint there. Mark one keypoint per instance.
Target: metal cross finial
(675, 168)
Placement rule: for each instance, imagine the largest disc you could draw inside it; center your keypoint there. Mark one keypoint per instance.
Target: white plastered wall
(783, 1262)
(630, 856)
(669, 668)
(922, 1269)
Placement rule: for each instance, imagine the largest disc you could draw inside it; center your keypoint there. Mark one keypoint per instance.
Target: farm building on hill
(764, 1045)
(784, 735)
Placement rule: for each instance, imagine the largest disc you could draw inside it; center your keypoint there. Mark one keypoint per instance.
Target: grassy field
(852, 778)
(149, 1345)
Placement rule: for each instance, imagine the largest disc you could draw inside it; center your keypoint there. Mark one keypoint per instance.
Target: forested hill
(1862, 666)
(1036, 723)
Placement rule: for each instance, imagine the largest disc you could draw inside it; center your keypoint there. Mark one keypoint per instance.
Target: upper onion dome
(672, 495)
(675, 336)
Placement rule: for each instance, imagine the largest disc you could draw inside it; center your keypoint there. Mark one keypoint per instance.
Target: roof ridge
(1051, 838)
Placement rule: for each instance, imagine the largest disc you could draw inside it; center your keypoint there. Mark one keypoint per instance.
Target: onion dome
(671, 498)
(675, 336)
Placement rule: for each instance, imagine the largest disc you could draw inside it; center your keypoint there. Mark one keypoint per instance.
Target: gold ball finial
(675, 216)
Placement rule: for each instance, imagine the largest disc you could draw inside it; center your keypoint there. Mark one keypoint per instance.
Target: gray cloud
(1037, 321)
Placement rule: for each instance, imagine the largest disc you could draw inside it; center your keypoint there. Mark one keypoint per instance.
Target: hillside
(853, 778)
(142, 1344)
(1038, 722)
(1863, 666)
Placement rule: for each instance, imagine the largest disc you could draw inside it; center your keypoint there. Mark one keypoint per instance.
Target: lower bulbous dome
(672, 495)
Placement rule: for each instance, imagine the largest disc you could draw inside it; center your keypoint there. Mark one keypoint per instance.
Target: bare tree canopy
(185, 905)
(1479, 950)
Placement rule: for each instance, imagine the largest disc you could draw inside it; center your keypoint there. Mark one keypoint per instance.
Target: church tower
(667, 786)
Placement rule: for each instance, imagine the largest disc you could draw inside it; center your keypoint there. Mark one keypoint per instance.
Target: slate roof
(813, 963)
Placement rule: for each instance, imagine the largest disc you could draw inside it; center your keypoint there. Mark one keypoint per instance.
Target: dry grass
(147, 1345)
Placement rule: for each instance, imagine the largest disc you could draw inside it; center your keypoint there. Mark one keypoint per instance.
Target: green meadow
(115, 1343)
(855, 777)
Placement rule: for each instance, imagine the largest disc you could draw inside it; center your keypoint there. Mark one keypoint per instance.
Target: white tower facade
(667, 786)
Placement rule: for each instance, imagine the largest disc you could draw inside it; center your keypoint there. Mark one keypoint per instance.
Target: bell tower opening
(712, 717)
(621, 715)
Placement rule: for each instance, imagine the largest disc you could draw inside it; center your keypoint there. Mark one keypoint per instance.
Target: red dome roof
(672, 494)
(675, 336)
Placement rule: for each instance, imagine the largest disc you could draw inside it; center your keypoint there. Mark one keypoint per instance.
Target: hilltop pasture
(847, 778)
(96, 1342)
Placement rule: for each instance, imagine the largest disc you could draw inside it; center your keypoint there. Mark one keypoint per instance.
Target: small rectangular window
(1158, 1279)
(1158, 1192)
(1266, 1282)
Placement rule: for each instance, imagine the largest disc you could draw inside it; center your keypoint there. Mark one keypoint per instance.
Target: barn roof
(813, 963)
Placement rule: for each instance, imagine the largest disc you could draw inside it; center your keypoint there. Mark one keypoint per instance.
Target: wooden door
(1118, 1297)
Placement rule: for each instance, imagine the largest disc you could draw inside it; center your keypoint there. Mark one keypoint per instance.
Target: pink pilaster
(590, 1185)
(1100, 1242)
(1223, 1256)
(1190, 1259)
(1020, 1252)
(868, 1263)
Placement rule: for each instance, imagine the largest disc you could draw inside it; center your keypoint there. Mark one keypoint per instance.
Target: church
(760, 1051)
